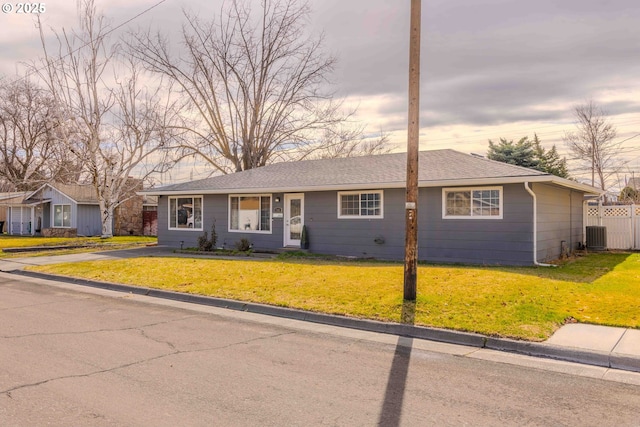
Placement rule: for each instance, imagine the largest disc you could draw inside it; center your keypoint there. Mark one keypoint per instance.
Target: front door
(293, 219)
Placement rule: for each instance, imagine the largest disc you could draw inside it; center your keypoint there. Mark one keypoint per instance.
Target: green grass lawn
(7, 241)
(522, 303)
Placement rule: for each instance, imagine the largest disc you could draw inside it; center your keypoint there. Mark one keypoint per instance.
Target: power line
(490, 135)
(30, 72)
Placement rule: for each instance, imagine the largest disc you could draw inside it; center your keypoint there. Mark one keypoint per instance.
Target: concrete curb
(569, 354)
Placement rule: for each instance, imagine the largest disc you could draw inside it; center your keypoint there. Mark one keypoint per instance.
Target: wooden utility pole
(411, 205)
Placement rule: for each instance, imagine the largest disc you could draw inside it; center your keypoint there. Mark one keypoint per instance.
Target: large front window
(185, 212)
(472, 202)
(360, 204)
(251, 213)
(62, 216)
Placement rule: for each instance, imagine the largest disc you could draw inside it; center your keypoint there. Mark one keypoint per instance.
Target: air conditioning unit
(597, 238)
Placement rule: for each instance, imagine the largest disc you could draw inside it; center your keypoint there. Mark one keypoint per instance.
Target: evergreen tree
(629, 195)
(550, 161)
(529, 154)
(521, 153)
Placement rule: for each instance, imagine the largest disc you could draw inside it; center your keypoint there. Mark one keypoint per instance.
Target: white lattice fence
(622, 223)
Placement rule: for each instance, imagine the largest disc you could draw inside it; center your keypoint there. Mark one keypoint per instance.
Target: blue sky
(490, 68)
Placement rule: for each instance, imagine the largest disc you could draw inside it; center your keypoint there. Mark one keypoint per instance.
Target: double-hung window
(479, 203)
(185, 212)
(250, 213)
(360, 204)
(62, 216)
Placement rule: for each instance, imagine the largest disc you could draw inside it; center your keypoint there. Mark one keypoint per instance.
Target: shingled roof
(81, 193)
(437, 168)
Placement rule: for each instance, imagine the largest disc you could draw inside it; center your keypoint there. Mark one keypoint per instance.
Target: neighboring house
(470, 209)
(67, 210)
(4, 209)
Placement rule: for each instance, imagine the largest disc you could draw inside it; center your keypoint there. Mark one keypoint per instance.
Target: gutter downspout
(535, 228)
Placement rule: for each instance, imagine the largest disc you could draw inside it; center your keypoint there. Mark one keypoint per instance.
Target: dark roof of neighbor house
(437, 168)
(83, 194)
(13, 197)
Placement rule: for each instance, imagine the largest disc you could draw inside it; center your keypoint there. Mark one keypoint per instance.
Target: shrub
(204, 243)
(304, 239)
(243, 245)
(214, 235)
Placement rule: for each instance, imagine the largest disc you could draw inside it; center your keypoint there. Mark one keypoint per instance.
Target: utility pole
(411, 205)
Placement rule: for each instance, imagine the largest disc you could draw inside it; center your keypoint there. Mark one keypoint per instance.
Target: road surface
(74, 356)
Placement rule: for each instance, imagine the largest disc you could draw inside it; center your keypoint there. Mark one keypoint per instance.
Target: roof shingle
(380, 170)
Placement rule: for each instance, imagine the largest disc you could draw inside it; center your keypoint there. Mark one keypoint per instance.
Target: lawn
(521, 303)
(93, 243)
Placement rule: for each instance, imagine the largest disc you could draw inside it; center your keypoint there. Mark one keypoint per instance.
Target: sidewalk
(617, 348)
(12, 264)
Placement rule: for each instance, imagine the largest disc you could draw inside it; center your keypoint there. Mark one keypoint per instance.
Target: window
(250, 213)
(62, 216)
(472, 203)
(360, 204)
(185, 212)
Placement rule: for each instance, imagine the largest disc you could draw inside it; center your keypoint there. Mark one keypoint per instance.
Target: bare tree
(593, 142)
(254, 81)
(29, 153)
(116, 126)
(347, 143)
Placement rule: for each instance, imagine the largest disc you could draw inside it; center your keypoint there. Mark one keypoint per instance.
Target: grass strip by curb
(520, 303)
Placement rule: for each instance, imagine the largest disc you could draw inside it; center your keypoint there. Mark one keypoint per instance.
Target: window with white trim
(62, 216)
(478, 202)
(185, 212)
(360, 204)
(250, 213)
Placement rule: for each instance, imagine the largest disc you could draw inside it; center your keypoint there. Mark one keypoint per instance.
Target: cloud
(488, 62)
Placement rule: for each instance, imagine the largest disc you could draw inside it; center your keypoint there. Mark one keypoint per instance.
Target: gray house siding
(19, 220)
(88, 220)
(355, 236)
(479, 241)
(215, 208)
(504, 241)
(181, 238)
(559, 219)
(46, 215)
(60, 199)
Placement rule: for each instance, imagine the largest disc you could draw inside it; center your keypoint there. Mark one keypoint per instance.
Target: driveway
(11, 264)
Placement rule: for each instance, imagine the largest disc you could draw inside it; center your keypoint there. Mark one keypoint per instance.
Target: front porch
(25, 220)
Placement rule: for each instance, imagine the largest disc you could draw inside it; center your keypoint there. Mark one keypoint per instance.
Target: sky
(490, 69)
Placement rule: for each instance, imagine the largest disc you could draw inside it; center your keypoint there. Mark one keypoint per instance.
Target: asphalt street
(71, 356)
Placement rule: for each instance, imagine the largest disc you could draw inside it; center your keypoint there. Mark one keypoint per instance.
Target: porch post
(33, 222)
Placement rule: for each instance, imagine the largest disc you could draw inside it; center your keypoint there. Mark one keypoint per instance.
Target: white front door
(293, 219)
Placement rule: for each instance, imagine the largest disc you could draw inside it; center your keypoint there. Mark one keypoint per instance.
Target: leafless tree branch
(115, 126)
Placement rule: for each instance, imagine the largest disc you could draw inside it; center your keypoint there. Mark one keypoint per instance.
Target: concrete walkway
(12, 264)
(617, 348)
